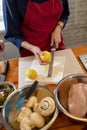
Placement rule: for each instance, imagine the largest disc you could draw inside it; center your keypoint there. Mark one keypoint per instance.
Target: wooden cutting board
(69, 62)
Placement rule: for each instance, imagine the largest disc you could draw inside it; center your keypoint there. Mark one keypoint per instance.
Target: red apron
(39, 22)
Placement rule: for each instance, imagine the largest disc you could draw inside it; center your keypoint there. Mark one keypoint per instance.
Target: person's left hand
(56, 36)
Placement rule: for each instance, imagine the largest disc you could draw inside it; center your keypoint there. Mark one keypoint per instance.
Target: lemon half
(46, 56)
(31, 73)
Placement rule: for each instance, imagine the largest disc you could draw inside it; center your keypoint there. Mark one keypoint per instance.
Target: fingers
(56, 36)
(57, 41)
(40, 61)
(37, 52)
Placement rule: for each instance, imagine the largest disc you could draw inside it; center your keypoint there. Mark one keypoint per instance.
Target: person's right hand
(37, 52)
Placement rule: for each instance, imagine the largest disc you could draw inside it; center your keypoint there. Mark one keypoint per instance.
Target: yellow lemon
(46, 56)
(31, 73)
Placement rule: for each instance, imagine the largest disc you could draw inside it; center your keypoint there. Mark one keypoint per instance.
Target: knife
(53, 49)
(29, 93)
(3, 74)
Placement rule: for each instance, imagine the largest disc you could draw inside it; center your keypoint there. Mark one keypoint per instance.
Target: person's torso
(39, 22)
(22, 7)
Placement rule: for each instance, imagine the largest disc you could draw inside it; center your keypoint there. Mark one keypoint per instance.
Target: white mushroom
(47, 106)
(35, 107)
(32, 100)
(37, 119)
(25, 124)
(25, 111)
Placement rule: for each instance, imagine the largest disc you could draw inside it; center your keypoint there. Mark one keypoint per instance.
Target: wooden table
(62, 122)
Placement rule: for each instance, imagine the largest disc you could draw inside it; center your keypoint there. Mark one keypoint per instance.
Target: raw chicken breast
(77, 101)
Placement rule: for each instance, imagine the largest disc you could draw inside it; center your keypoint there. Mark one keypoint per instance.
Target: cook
(34, 25)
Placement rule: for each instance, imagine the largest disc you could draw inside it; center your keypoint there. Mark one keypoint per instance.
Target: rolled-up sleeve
(12, 21)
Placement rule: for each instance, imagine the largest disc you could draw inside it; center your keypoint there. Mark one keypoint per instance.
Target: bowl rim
(61, 108)
(6, 82)
(19, 90)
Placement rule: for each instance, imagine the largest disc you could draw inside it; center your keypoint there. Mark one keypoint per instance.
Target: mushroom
(46, 106)
(32, 100)
(25, 111)
(25, 124)
(35, 107)
(37, 119)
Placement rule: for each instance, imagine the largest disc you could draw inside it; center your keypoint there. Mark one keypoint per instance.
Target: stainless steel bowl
(62, 91)
(6, 88)
(13, 102)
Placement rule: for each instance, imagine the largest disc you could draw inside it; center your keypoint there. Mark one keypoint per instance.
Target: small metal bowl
(13, 101)
(62, 94)
(6, 88)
